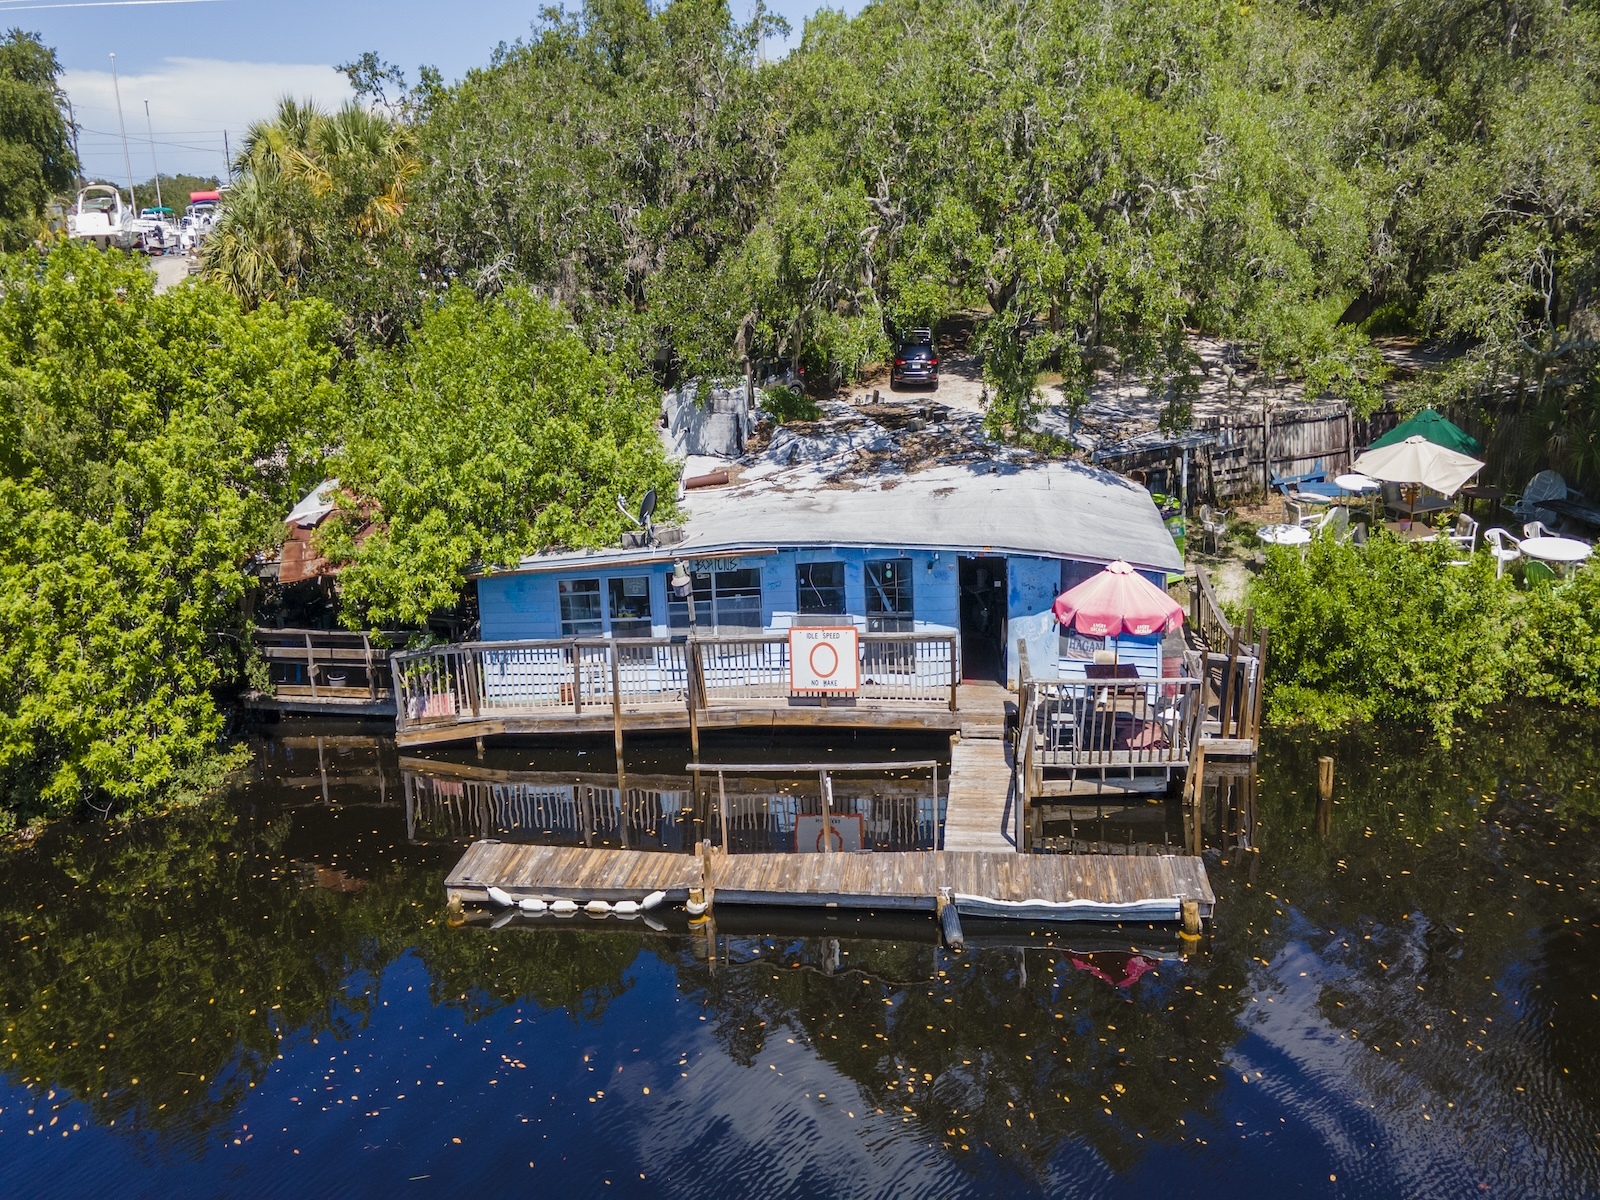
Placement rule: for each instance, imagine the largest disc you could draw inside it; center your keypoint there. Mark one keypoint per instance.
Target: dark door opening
(983, 618)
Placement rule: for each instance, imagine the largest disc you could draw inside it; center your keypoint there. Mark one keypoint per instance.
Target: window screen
(580, 607)
(724, 602)
(821, 587)
(629, 601)
(889, 605)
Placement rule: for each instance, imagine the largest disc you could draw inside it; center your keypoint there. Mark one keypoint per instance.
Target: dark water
(265, 998)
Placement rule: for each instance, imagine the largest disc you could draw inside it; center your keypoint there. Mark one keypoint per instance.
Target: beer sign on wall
(824, 658)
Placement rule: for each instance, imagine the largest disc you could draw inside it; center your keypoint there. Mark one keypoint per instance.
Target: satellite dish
(647, 507)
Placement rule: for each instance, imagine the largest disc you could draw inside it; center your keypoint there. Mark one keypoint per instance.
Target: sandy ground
(170, 270)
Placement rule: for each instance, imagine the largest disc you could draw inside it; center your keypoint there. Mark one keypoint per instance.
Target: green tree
(317, 212)
(36, 159)
(492, 433)
(148, 446)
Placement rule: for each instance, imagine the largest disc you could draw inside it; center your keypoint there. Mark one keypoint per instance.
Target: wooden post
(1261, 685)
(955, 668)
(1325, 777)
(577, 677)
(1197, 770)
(722, 809)
(827, 812)
(372, 682)
(1227, 700)
(322, 769)
(311, 667)
(616, 732)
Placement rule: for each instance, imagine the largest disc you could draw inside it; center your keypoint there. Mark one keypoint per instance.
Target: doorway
(983, 617)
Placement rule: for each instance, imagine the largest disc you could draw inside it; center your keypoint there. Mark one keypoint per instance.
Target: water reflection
(1400, 994)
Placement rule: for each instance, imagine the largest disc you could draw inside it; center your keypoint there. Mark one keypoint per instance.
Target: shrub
(788, 404)
(1388, 632)
(1557, 646)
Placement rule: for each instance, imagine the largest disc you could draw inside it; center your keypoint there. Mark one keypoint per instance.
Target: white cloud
(192, 101)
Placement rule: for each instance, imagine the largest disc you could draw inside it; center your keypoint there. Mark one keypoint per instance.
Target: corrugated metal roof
(1045, 509)
(1049, 509)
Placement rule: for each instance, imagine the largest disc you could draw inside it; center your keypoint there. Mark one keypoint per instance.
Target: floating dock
(1032, 887)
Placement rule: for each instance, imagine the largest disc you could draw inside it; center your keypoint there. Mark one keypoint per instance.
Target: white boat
(101, 217)
(205, 209)
(157, 231)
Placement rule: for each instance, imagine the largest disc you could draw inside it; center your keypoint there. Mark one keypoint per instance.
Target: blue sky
(216, 65)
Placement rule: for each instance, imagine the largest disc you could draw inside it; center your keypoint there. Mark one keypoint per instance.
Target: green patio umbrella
(1429, 424)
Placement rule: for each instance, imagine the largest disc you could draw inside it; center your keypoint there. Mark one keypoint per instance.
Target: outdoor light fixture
(680, 582)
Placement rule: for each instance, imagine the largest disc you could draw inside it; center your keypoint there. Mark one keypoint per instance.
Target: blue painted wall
(517, 607)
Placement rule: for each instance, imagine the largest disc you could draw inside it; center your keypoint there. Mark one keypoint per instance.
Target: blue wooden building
(980, 551)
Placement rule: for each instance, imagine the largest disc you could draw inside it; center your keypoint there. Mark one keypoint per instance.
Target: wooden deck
(980, 774)
(980, 787)
(1033, 887)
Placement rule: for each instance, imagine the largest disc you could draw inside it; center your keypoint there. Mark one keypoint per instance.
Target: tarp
(1441, 432)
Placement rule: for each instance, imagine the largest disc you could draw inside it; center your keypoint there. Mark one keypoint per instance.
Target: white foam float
(653, 900)
(597, 908)
(695, 908)
(533, 905)
(626, 908)
(502, 898)
(563, 908)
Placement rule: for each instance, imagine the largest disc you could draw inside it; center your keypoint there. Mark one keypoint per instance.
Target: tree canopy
(1097, 183)
(36, 159)
(148, 445)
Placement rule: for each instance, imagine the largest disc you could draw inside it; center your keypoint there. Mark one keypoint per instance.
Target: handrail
(449, 682)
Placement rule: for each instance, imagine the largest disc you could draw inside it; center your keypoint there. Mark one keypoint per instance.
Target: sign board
(849, 832)
(824, 658)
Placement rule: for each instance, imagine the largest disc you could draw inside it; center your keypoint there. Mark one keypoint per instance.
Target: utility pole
(72, 122)
(155, 169)
(126, 161)
(227, 156)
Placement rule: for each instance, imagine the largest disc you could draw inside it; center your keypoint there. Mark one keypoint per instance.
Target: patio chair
(1504, 547)
(1546, 485)
(1213, 526)
(1358, 534)
(1466, 534)
(1537, 574)
(1537, 529)
(1338, 523)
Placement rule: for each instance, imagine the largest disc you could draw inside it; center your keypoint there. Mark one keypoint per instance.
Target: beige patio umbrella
(1417, 463)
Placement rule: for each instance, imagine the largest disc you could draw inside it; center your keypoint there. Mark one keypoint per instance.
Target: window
(889, 596)
(821, 587)
(580, 607)
(629, 601)
(724, 602)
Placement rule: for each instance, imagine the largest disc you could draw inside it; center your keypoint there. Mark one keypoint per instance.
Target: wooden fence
(330, 667)
(1253, 447)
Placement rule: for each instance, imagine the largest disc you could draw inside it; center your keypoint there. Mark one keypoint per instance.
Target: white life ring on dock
(695, 908)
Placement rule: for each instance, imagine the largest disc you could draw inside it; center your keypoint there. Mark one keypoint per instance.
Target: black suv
(916, 361)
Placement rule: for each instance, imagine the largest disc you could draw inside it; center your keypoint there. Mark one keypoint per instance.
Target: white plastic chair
(1535, 529)
(1466, 534)
(1504, 547)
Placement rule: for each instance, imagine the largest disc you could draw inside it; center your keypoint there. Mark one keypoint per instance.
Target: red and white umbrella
(1116, 601)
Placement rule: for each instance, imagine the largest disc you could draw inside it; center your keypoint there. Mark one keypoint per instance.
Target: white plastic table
(1284, 535)
(1357, 484)
(1564, 551)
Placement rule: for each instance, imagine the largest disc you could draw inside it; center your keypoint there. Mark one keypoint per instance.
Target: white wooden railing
(475, 681)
